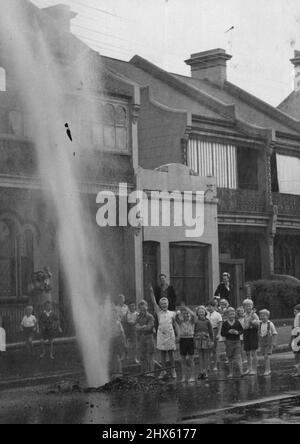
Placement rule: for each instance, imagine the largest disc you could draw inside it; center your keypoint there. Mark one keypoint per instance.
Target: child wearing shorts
(251, 336)
(267, 338)
(29, 327)
(232, 331)
(186, 319)
(216, 321)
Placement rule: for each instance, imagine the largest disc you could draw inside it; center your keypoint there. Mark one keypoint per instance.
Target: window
(115, 127)
(189, 272)
(214, 159)
(288, 169)
(247, 168)
(2, 79)
(16, 259)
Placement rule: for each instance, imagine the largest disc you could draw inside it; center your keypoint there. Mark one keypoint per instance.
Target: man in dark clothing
(224, 290)
(166, 291)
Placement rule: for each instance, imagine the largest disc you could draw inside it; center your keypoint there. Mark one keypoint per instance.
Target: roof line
(276, 113)
(227, 111)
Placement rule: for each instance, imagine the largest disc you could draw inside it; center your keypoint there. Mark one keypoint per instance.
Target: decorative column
(272, 210)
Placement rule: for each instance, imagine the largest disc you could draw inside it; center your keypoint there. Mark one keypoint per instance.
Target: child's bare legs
(252, 362)
(172, 363)
(267, 364)
(43, 345)
(51, 342)
(184, 369)
(214, 354)
(203, 361)
(191, 364)
(163, 363)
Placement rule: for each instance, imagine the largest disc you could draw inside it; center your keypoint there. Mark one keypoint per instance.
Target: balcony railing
(288, 204)
(13, 314)
(241, 201)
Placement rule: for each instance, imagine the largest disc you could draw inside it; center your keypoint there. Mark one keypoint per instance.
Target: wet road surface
(215, 401)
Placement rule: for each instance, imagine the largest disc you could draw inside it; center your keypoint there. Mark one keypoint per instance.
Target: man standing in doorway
(164, 290)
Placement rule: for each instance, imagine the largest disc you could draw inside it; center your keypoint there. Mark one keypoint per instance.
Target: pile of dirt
(133, 384)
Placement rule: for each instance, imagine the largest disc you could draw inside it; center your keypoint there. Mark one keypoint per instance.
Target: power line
(99, 32)
(103, 11)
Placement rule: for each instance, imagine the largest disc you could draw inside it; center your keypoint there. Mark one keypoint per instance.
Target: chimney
(210, 65)
(62, 14)
(296, 62)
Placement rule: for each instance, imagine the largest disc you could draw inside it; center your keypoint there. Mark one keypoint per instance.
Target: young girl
(216, 321)
(29, 327)
(251, 336)
(223, 307)
(186, 320)
(204, 340)
(232, 330)
(166, 341)
(130, 330)
(267, 339)
(295, 338)
(240, 314)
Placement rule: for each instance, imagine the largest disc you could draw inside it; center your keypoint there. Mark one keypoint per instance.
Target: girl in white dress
(166, 340)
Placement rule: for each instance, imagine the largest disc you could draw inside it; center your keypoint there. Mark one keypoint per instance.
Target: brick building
(28, 239)
(218, 129)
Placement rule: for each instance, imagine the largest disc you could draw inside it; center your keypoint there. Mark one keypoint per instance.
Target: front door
(236, 269)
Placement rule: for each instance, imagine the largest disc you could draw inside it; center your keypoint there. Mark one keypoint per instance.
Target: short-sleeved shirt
(29, 321)
(267, 329)
(215, 319)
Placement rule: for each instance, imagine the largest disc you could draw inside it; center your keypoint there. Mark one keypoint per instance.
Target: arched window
(2, 79)
(115, 127)
(16, 258)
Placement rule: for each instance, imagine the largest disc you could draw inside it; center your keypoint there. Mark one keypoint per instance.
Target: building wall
(160, 132)
(177, 177)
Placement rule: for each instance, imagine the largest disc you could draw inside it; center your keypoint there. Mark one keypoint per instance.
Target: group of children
(47, 326)
(208, 331)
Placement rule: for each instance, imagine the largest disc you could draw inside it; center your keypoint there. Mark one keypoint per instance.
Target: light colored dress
(165, 335)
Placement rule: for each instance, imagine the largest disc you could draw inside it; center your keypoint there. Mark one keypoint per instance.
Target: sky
(166, 32)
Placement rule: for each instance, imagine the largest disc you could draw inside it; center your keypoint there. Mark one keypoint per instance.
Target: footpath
(17, 371)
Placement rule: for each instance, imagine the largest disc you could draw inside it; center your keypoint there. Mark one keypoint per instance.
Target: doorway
(236, 269)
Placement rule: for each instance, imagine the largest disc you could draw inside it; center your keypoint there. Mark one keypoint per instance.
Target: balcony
(288, 204)
(241, 201)
(18, 158)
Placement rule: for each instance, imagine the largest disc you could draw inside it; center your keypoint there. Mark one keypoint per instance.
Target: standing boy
(216, 320)
(267, 339)
(231, 331)
(145, 339)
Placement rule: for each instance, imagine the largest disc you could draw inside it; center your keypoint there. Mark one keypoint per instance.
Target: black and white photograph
(149, 215)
